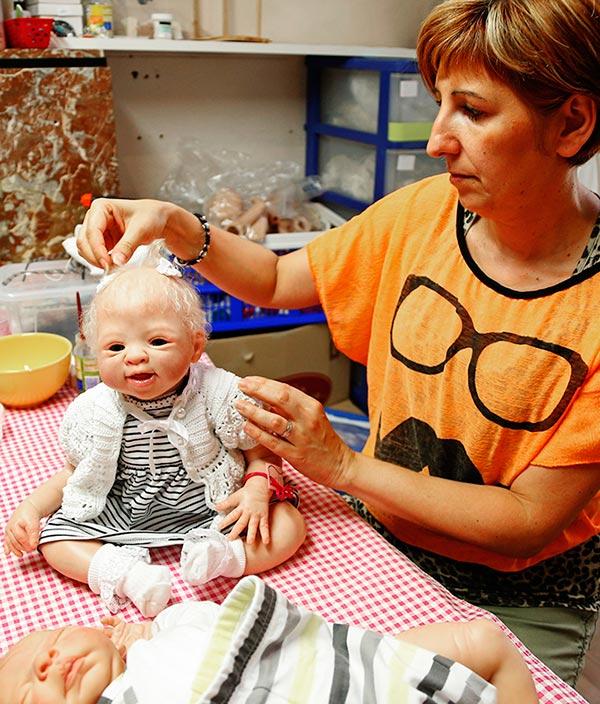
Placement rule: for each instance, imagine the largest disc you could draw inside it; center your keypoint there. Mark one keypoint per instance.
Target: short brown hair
(546, 50)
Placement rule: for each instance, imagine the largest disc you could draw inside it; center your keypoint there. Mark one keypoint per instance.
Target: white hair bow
(163, 266)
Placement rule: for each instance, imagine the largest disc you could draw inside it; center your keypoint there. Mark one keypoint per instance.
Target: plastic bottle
(85, 366)
(98, 18)
(162, 25)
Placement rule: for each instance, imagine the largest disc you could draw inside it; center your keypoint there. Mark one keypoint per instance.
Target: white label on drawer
(409, 89)
(406, 162)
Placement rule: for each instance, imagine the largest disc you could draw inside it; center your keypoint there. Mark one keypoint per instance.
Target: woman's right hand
(294, 426)
(114, 228)
(22, 532)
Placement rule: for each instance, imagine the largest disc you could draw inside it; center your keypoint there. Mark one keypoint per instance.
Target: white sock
(148, 586)
(121, 572)
(207, 554)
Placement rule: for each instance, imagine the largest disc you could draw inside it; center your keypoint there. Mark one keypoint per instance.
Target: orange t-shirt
(467, 379)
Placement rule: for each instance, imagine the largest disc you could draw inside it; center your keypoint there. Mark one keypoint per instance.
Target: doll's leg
(207, 554)
(482, 647)
(71, 557)
(115, 572)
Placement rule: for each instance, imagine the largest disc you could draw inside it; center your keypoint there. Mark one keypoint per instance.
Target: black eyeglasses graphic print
(469, 338)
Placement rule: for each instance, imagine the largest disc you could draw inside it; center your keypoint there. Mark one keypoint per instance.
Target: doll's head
(72, 664)
(146, 328)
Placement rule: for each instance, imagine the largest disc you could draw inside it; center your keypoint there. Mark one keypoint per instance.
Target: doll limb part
(481, 646)
(116, 573)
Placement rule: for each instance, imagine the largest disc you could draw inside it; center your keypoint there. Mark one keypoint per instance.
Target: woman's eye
(472, 113)
(116, 347)
(158, 342)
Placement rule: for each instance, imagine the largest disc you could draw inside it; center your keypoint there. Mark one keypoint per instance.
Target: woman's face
(72, 665)
(497, 150)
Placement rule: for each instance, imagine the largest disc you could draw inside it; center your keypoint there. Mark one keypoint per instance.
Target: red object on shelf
(86, 199)
(28, 32)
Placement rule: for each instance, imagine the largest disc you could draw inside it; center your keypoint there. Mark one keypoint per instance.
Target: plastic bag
(247, 198)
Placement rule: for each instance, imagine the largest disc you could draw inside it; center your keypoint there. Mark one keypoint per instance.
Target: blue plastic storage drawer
(226, 313)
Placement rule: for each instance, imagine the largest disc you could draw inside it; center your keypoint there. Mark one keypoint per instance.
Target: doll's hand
(123, 634)
(22, 531)
(249, 509)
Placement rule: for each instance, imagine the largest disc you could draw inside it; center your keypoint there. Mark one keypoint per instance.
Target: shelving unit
(374, 116)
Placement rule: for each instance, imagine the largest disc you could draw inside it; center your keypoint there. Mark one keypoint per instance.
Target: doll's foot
(207, 554)
(148, 587)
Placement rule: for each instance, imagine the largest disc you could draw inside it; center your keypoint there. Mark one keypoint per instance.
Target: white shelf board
(126, 45)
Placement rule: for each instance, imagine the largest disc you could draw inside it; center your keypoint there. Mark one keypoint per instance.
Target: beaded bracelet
(205, 246)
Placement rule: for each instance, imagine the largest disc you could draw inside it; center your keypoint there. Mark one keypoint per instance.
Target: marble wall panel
(57, 141)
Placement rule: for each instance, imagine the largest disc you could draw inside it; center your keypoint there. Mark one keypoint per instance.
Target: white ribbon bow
(176, 432)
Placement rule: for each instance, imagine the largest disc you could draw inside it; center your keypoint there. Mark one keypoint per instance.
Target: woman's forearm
(243, 268)
(489, 517)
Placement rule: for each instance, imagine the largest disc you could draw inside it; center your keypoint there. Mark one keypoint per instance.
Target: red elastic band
(255, 474)
(282, 492)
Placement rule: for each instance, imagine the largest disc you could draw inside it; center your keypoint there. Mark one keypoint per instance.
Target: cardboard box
(305, 353)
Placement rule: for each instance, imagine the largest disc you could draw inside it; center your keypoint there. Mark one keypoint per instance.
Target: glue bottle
(86, 372)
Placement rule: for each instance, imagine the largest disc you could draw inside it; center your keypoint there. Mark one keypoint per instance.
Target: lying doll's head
(146, 328)
(72, 664)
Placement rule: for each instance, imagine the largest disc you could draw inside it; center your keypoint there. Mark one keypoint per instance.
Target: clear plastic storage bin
(367, 125)
(42, 296)
(350, 99)
(349, 167)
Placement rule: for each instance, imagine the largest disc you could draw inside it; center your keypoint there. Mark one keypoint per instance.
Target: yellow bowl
(33, 366)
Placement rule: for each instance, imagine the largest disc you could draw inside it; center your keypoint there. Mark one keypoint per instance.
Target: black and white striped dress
(142, 508)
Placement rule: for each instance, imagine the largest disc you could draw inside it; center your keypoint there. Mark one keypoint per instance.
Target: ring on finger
(289, 426)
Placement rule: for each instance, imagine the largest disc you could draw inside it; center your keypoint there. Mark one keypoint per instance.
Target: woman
(473, 301)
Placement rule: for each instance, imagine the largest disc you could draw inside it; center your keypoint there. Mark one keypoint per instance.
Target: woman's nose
(442, 140)
(43, 661)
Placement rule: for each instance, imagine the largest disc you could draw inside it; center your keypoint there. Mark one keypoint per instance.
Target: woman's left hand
(294, 426)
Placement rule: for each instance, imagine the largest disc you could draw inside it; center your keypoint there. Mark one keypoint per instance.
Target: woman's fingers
(274, 393)
(268, 421)
(102, 227)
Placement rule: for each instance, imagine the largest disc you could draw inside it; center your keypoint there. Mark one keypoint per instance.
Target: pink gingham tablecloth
(344, 571)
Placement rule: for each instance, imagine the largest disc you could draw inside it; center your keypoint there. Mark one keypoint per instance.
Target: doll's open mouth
(140, 378)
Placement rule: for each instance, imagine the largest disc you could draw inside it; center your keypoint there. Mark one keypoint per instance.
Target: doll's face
(71, 665)
(144, 350)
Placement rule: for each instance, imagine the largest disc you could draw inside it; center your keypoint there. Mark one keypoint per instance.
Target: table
(345, 570)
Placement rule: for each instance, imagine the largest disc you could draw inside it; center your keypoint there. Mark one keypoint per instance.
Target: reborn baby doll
(257, 646)
(156, 454)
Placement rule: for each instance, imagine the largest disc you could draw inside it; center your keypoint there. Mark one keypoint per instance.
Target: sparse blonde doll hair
(180, 297)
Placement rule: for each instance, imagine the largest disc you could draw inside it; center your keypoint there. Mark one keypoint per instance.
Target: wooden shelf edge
(189, 46)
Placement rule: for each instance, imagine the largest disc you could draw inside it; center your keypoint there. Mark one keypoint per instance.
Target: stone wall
(57, 140)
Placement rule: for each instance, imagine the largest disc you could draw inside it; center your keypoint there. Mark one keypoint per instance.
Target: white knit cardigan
(210, 441)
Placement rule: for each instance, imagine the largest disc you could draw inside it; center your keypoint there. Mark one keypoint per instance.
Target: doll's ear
(199, 343)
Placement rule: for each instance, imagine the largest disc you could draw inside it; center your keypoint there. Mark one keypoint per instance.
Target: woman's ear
(199, 343)
(578, 118)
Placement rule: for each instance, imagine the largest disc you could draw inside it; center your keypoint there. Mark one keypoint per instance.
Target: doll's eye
(159, 342)
(116, 347)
